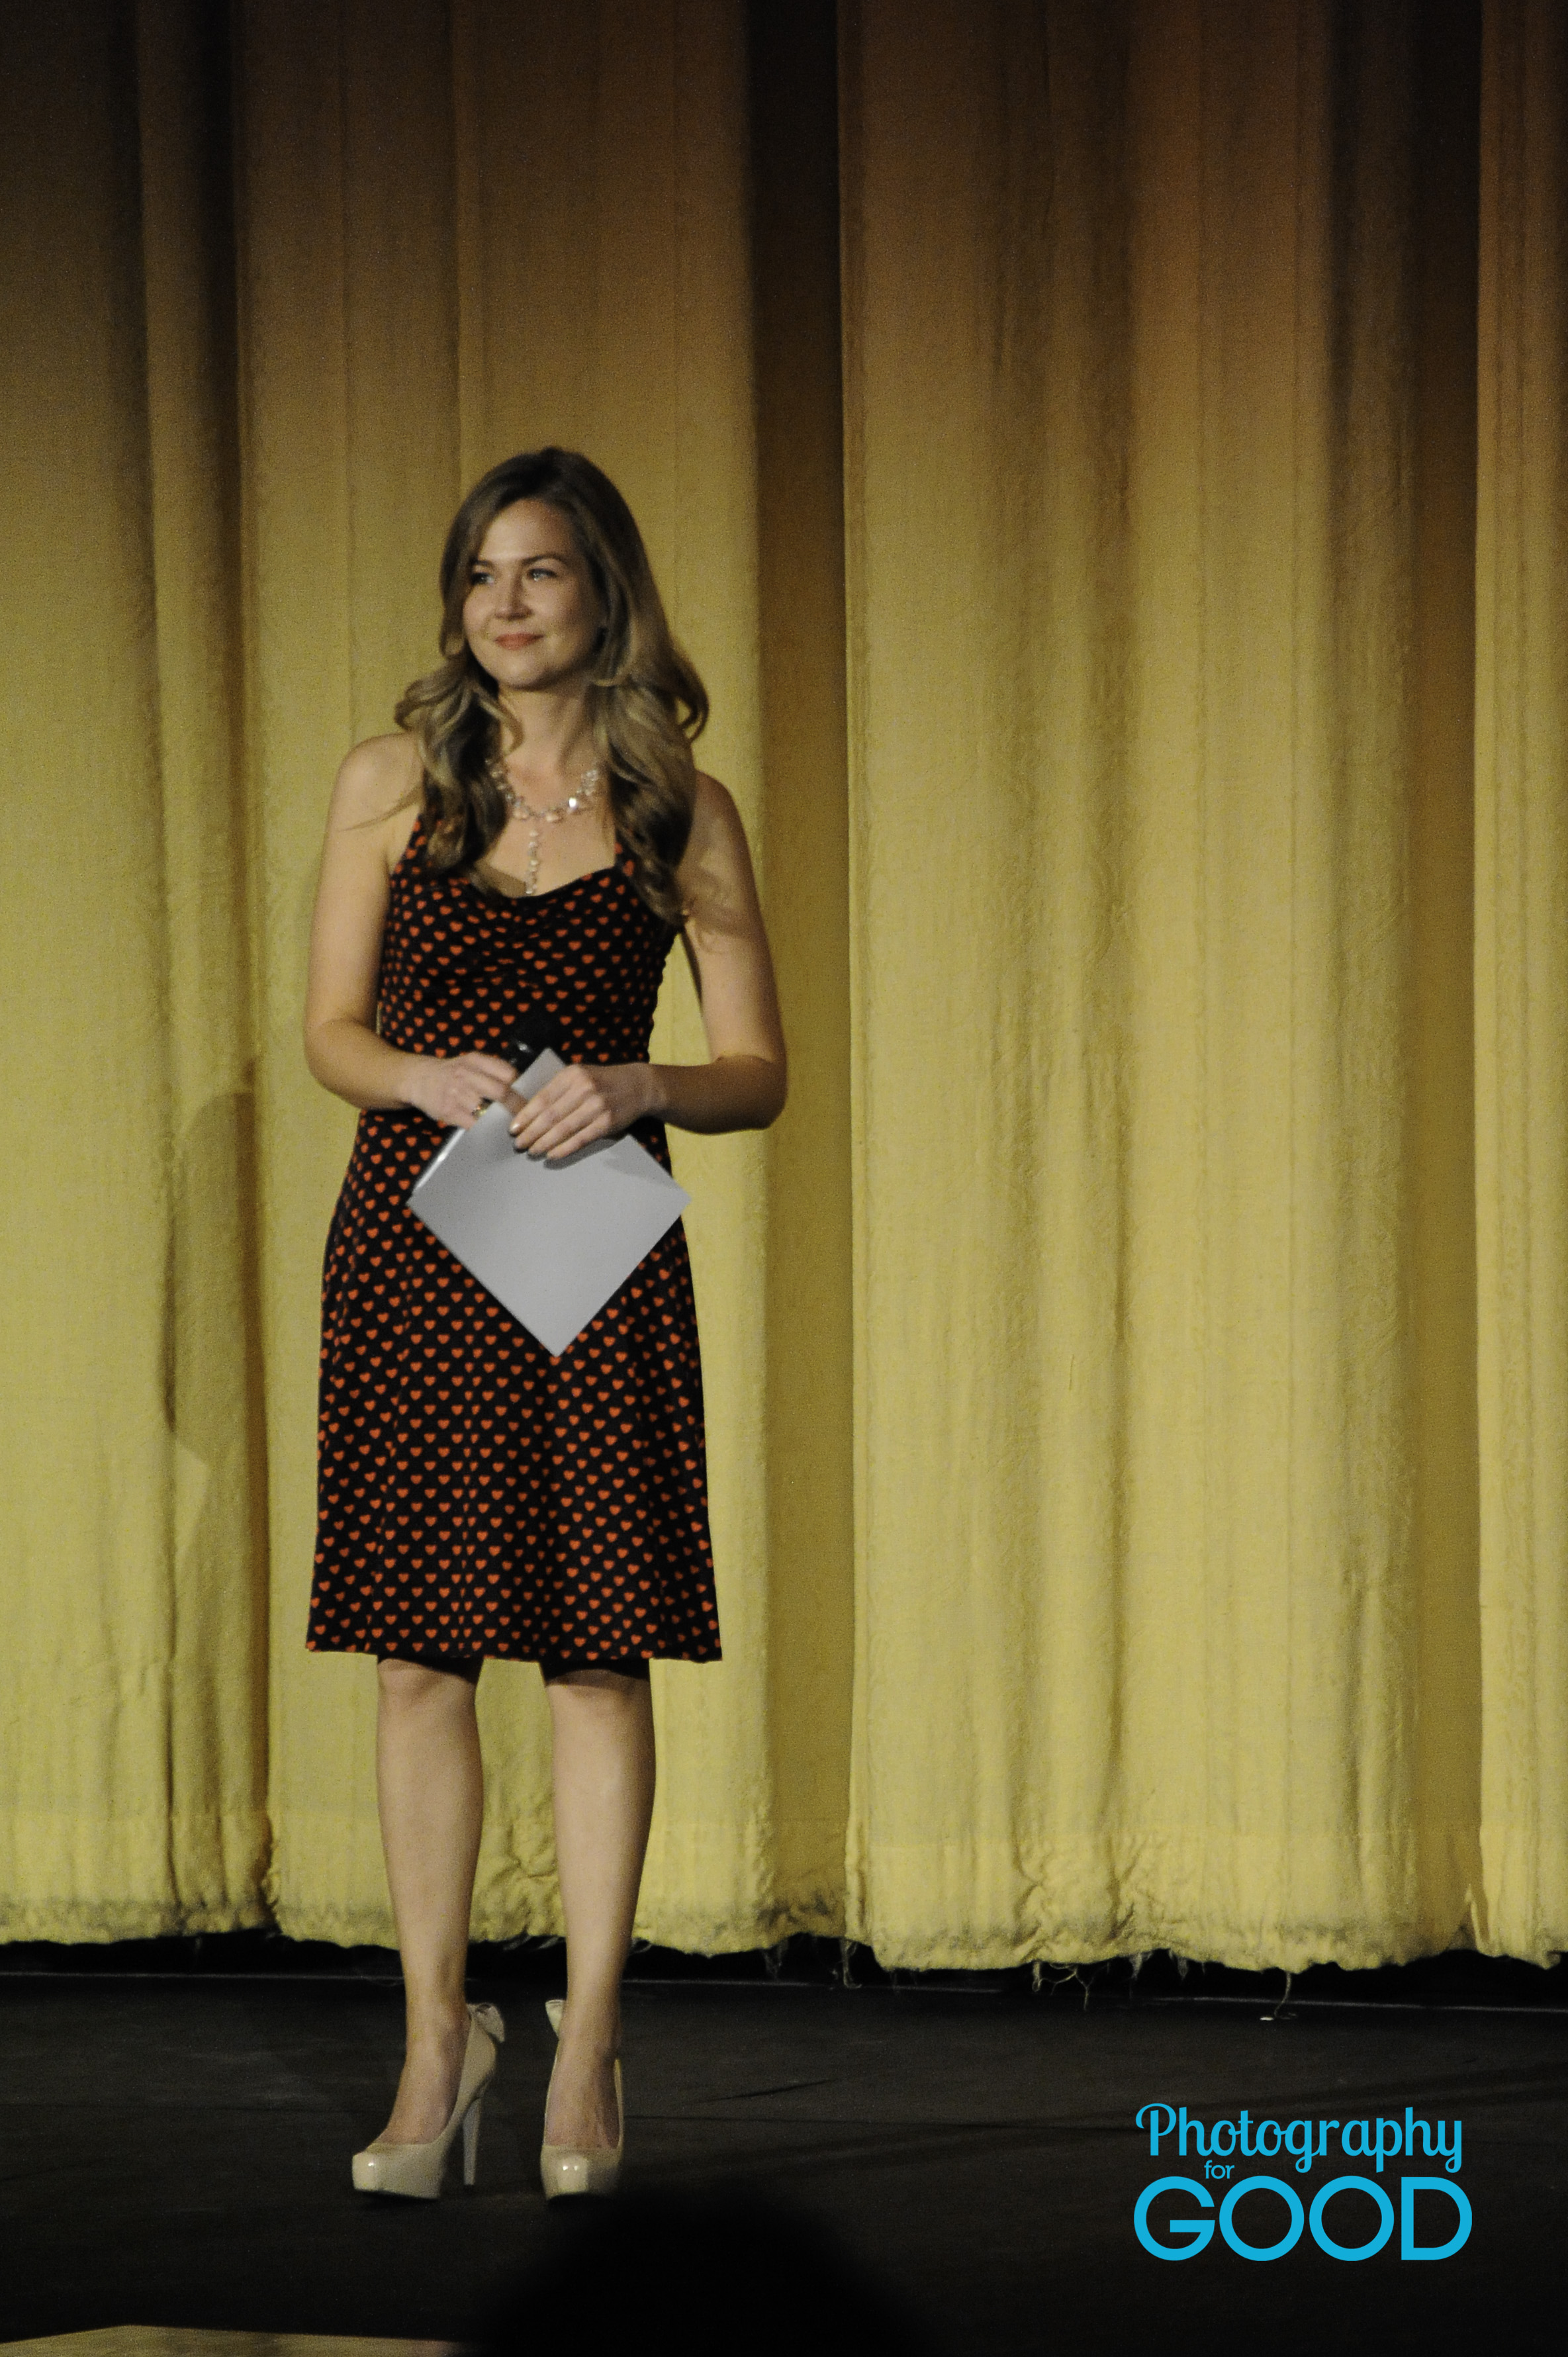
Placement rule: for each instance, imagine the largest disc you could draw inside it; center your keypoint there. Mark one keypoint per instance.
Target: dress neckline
(554, 890)
(608, 867)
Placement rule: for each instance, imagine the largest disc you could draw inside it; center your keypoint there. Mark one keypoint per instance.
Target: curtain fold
(416, 307)
(1160, 887)
(1106, 462)
(1522, 976)
(133, 1751)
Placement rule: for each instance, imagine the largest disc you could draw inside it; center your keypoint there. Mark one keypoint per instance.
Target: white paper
(553, 1240)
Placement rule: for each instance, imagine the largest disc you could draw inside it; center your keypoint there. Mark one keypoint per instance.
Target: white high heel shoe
(568, 2168)
(415, 2170)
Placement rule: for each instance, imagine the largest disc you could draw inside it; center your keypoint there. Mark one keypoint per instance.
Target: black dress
(477, 1496)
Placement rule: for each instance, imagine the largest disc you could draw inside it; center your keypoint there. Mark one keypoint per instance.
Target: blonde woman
(531, 841)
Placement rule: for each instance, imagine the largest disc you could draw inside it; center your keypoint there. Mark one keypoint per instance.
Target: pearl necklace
(585, 792)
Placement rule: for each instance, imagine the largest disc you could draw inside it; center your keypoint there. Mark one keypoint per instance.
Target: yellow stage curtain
(1135, 1363)
(1522, 976)
(466, 231)
(1161, 435)
(133, 1732)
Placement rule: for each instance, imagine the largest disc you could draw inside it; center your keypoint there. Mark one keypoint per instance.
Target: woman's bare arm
(368, 826)
(743, 1085)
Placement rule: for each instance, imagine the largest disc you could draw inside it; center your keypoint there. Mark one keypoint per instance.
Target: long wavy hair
(645, 703)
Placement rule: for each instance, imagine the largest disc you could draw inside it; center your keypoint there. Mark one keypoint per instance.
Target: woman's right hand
(455, 1090)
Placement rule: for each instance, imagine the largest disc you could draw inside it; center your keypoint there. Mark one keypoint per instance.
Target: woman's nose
(510, 590)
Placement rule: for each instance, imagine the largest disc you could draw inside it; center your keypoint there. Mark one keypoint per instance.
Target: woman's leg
(430, 1786)
(602, 1729)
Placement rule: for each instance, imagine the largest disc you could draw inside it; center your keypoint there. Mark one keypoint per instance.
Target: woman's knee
(420, 1685)
(595, 1693)
(629, 1670)
(593, 1677)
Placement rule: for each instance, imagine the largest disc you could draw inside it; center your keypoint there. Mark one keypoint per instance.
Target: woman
(534, 838)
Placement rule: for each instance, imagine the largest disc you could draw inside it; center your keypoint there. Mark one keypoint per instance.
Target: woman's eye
(540, 573)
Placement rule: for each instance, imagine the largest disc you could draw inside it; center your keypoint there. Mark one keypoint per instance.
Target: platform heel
(563, 2168)
(416, 2171)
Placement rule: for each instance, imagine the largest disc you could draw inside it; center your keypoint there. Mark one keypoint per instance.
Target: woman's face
(531, 616)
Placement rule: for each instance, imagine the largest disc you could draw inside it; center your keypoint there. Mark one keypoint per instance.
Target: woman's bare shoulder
(376, 792)
(715, 820)
(716, 881)
(375, 779)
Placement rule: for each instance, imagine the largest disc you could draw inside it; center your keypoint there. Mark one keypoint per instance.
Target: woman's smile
(528, 590)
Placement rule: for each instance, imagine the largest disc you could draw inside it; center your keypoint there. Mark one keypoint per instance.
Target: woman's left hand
(585, 1102)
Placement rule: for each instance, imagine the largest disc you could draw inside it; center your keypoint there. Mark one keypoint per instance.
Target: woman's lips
(517, 637)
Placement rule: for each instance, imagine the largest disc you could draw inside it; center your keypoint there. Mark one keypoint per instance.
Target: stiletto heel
(415, 2170)
(471, 2118)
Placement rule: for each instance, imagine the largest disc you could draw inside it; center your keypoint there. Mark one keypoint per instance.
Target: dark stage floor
(177, 2151)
